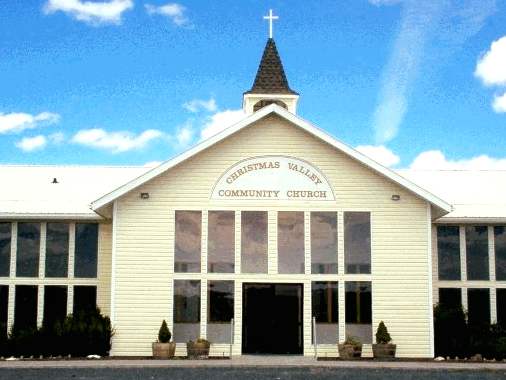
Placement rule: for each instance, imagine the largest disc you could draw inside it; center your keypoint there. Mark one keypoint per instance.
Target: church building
(268, 237)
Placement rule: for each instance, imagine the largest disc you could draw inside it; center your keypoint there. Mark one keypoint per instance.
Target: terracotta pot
(198, 350)
(384, 350)
(349, 351)
(163, 350)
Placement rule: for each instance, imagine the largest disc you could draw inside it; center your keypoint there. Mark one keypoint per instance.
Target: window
(501, 307)
(325, 309)
(357, 242)
(27, 262)
(323, 242)
(86, 251)
(500, 252)
(57, 249)
(450, 297)
(448, 250)
(477, 253)
(358, 304)
(221, 242)
(254, 242)
(25, 308)
(220, 310)
(186, 310)
(478, 306)
(188, 241)
(55, 305)
(4, 308)
(85, 298)
(290, 242)
(5, 249)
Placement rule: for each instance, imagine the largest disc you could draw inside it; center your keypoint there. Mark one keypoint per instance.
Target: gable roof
(440, 207)
(271, 78)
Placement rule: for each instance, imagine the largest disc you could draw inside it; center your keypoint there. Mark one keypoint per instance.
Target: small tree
(164, 334)
(382, 335)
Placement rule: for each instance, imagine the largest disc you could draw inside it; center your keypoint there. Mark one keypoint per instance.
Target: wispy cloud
(380, 154)
(451, 21)
(491, 69)
(196, 105)
(115, 142)
(30, 144)
(96, 13)
(220, 121)
(435, 159)
(18, 122)
(176, 12)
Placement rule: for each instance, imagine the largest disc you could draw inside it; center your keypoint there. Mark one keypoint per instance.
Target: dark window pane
(290, 242)
(55, 305)
(451, 297)
(5, 249)
(4, 308)
(448, 249)
(27, 262)
(86, 250)
(358, 302)
(221, 242)
(500, 252)
(220, 301)
(188, 241)
(254, 242)
(477, 253)
(501, 307)
(357, 242)
(324, 301)
(478, 306)
(85, 298)
(57, 249)
(25, 309)
(323, 242)
(186, 311)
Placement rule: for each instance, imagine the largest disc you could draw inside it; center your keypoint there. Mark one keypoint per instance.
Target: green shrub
(164, 334)
(382, 335)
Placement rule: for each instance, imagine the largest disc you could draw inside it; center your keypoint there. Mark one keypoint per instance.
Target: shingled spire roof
(271, 78)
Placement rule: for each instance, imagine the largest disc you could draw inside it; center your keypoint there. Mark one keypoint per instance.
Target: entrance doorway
(272, 319)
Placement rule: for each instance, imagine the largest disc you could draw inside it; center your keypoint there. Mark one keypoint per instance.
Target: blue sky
(418, 84)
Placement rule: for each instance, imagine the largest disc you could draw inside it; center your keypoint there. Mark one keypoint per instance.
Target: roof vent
(55, 180)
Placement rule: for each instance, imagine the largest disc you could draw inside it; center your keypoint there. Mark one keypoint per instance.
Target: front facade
(269, 237)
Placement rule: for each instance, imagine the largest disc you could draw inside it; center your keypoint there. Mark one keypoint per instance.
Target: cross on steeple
(270, 18)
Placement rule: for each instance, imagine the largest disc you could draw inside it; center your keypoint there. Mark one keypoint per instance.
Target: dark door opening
(272, 319)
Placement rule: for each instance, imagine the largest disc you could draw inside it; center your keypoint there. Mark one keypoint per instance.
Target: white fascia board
(472, 221)
(50, 216)
(273, 108)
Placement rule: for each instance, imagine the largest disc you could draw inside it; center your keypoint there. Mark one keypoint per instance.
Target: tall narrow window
(57, 249)
(221, 242)
(55, 305)
(86, 252)
(186, 310)
(220, 310)
(27, 262)
(357, 242)
(325, 309)
(324, 242)
(358, 304)
(290, 242)
(478, 306)
(25, 308)
(450, 297)
(85, 298)
(477, 253)
(188, 241)
(254, 242)
(448, 251)
(5, 249)
(4, 308)
(500, 252)
(501, 306)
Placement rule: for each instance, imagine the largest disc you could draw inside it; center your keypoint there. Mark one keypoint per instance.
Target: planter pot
(198, 350)
(163, 350)
(349, 352)
(384, 350)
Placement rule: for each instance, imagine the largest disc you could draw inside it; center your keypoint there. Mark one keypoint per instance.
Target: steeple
(271, 85)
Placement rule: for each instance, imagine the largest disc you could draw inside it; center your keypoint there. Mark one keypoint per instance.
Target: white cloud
(174, 11)
(57, 138)
(380, 154)
(18, 122)
(436, 160)
(184, 135)
(116, 142)
(108, 12)
(197, 104)
(220, 121)
(29, 144)
(500, 104)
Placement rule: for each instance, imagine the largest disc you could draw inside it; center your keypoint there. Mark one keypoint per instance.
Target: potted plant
(163, 348)
(350, 349)
(198, 349)
(383, 348)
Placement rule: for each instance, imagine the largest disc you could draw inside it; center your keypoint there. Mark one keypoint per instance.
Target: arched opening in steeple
(265, 102)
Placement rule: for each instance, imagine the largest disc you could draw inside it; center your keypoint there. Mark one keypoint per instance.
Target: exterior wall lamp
(144, 195)
(396, 197)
